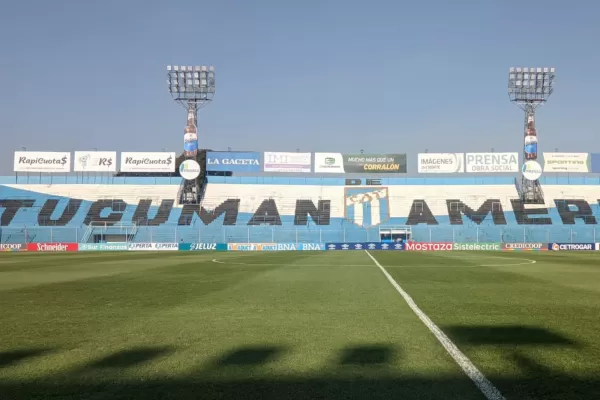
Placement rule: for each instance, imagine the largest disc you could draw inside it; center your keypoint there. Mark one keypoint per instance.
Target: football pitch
(300, 325)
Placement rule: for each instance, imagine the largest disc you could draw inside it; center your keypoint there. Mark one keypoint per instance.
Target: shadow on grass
(130, 358)
(249, 356)
(366, 355)
(10, 358)
(509, 335)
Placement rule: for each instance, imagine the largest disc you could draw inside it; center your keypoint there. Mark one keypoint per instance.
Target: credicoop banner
(525, 246)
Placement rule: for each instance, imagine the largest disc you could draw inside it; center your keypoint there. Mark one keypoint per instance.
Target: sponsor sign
(441, 163)
(287, 162)
(525, 246)
(12, 247)
(275, 246)
(95, 161)
(571, 246)
(477, 246)
(329, 163)
(190, 136)
(595, 163)
(148, 162)
(153, 247)
(416, 246)
(531, 144)
(103, 246)
(42, 161)
(566, 162)
(492, 162)
(52, 247)
(233, 161)
(532, 170)
(203, 246)
(364, 246)
(597, 246)
(374, 163)
(189, 169)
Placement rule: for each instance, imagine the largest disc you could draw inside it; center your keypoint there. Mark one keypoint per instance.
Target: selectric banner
(12, 247)
(567, 162)
(441, 163)
(103, 247)
(364, 246)
(492, 162)
(153, 247)
(95, 161)
(203, 246)
(477, 246)
(287, 162)
(525, 246)
(571, 246)
(148, 162)
(227, 161)
(52, 247)
(42, 161)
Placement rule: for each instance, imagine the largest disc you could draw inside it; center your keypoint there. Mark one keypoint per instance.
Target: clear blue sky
(316, 75)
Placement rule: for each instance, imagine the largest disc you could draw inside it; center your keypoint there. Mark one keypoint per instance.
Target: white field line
(485, 386)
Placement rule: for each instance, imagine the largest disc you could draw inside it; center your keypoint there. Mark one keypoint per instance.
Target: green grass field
(297, 325)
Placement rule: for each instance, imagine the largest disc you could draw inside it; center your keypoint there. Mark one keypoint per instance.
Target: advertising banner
(227, 161)
(492, 162)
(189, 169)
(13, 247)
(525, 246)
(95, 161)
(595, 163)
(275, 246)
(42, 161)
(531, 170)
(436, 246)
(374, 163)
(52, 247)
(477, 246)
(364, 246)
(203, 246)
(153, 247)
(567, 162)
(103, 247)
(441, 163)
(597, 246)
(148, 162)
(571, 246)
(287, 162)
(329, 163)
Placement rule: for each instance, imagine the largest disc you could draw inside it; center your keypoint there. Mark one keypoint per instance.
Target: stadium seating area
(332, 211)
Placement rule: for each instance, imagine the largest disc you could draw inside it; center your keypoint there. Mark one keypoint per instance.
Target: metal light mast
(529, 88)
(192, 87)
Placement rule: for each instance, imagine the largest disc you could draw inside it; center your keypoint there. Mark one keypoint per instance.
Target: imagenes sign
(567, 162)
(441, 163)
(95, 161)
(42, 161)
(148, 162)
(375, 163)
(287, 162)
(227, 161)
(492, 162)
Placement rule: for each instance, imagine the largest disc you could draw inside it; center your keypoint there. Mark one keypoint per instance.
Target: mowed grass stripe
(299, 320)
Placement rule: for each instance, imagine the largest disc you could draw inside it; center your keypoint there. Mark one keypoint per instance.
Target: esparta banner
(153, 247)
(441, 163)
(525, 246)
(52, 247)
(148, 162)
(42, 161)
(375, 163)
(416, 246)
(567, 162)
(95, 161)
(492, 162)
(287, 162)
(476, 246)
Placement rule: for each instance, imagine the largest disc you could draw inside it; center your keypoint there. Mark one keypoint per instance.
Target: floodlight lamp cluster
(530, 84)
(197, 82)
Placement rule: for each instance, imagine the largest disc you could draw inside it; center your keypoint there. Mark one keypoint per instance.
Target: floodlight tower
(529, 88)
(193, 88)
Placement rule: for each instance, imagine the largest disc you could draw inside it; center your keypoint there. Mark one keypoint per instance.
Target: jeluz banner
(476, 247)
(287, 162)
(203, 246)
(571, 246)
(441, 163)
(95, 161)
(148, 162)
(374, 163)
(492, 162)
(567, 162)
(228, 161)
(42, 161)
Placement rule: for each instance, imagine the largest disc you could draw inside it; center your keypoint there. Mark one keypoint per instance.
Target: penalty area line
(483, 384)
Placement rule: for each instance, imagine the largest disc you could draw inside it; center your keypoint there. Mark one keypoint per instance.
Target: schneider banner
(52, 247)
(232, 161)
(492, 162)
(441, 163)
(287, 162)
(42, 161)
(95, 161)
(148, 162)
(339, 163)
(567, 162)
